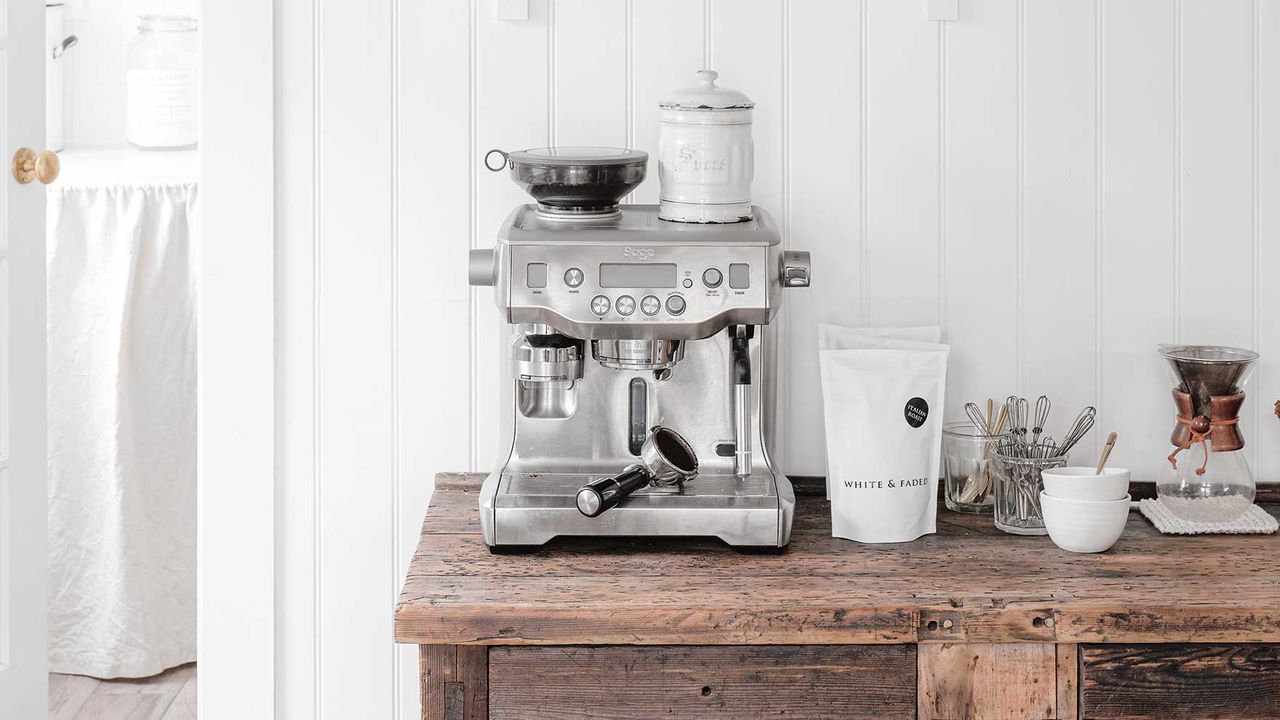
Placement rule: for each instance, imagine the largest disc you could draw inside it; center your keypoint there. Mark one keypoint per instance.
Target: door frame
(236, 367)
(24, 500)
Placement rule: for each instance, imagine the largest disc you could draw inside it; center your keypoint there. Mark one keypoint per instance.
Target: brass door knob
(28, 166)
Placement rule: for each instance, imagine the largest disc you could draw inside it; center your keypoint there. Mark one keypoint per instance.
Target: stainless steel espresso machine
(642, 372)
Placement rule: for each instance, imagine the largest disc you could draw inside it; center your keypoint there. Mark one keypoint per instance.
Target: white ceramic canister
(705, 155)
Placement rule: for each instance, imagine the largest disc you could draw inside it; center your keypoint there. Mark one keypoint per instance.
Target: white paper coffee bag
(835, 337)
(883, 410)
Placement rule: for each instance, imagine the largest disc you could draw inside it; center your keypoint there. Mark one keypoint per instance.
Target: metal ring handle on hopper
(506, 159)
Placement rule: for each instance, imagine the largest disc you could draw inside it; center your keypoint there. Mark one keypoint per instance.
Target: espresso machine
(641, 373)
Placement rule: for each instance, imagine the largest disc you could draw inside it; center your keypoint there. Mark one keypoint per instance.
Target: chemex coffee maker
(642, 364)
(1207, 476)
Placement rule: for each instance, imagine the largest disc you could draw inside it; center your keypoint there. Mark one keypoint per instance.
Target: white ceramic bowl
(1082, 483)
(1084, 526)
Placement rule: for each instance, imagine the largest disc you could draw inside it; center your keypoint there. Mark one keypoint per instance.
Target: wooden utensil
(1106, 453)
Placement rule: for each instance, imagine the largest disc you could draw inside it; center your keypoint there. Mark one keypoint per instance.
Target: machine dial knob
(712, 277)
(650, 305)
(573, 277)
(625, 305)
(675, 305)
(600, 305)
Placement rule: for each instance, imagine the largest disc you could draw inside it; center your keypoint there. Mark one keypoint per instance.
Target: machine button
(536, 275)
(573, 277)
(739, 276)
(711, 277)
(625, 305)
(675, 304)
(688, 282)
(650, 305)
(600, 305)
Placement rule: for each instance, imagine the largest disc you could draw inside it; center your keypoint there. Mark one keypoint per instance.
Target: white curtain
(122, 428)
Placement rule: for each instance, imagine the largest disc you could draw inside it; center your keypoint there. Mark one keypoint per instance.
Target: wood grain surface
(170, 695)
(991, 681)
(858, 682)
(1180, 682)
(453, 682)
(968, 583)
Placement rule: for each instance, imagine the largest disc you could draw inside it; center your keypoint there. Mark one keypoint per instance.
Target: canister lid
(574, 155)
(706, 96)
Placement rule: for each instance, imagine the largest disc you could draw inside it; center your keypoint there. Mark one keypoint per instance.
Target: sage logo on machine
(916, 411)
(638, 253)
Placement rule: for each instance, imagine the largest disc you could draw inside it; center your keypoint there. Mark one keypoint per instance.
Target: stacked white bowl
(1085, 511)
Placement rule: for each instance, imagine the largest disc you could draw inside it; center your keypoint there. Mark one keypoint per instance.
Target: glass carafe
(1206, 478)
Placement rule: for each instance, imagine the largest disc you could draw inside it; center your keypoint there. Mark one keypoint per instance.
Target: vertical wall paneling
(589, 83)
(747, 49)
(901, 184)
(1217, 113)
(824, 76)
(511, 112)
(980, 223)
(296, 359)
(1059, 242)
(1217, 172)
(433, 299)
(1266, 388)
(355, 307)
(1137, 266)
(667, 48)
(747, 41)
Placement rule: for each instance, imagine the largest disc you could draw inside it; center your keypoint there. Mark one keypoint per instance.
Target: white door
(23, 504)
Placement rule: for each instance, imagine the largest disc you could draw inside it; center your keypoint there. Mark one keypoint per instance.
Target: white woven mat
(1255, 520)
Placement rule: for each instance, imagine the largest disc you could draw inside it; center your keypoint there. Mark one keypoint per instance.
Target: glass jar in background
(1017, 484)
(966, 467)
(162, 86)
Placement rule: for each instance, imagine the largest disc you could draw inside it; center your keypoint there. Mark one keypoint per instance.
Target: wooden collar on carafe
(1220, 428)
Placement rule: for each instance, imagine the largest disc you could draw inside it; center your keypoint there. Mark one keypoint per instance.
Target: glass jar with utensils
(1019, 458)
(967, 451)
(1017, 486)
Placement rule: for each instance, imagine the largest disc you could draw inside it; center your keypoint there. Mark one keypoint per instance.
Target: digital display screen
(637, 275)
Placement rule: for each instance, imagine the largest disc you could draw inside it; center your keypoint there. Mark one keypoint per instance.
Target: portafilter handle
(599, 495)
(668, 459)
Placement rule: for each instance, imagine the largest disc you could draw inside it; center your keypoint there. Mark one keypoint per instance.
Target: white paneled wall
(1061, 183)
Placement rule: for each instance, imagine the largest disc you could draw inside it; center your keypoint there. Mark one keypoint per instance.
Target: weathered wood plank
(989, 587)
(473, 673)
(1068, 681)
(1010, 681)
(1180, 682)
(625, 683)
(437, 665)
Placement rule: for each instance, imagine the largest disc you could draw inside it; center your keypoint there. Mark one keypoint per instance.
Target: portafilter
(666, 459)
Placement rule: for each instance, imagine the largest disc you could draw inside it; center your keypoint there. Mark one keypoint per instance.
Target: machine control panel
(601, 290)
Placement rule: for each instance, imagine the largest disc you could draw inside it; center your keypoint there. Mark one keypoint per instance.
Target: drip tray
(533, 508)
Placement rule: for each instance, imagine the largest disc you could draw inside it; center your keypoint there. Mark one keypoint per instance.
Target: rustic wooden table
(967, 623)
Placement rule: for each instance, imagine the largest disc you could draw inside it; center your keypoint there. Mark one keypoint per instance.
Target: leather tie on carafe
(1218, 428)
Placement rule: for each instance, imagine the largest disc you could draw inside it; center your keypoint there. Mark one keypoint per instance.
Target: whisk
(1082, 425)
(1041, 417)
(1031, 443)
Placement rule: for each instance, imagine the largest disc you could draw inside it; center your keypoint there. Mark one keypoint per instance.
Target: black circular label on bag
(916, 411)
